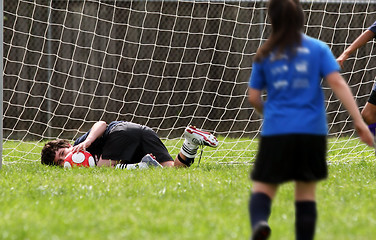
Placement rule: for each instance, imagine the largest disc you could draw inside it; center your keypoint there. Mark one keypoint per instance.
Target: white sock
(140, 165)
(189, 149)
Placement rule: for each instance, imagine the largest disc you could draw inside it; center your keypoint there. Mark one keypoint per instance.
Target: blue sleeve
(373, 28)
(81, 139)
(328, 63)
(257, 79)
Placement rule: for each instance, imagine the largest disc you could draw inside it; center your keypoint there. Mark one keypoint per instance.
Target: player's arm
(97, 130)
(359, 42)
(344, 94)
(254, 98)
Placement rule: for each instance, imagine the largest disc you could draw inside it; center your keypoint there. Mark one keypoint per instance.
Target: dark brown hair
(49, 150)
(287, 19)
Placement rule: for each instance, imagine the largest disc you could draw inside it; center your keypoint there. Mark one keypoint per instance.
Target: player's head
(287, 19)
(54, 152)
(286, 16)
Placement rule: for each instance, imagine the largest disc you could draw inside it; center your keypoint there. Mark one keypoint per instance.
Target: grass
(205, 202)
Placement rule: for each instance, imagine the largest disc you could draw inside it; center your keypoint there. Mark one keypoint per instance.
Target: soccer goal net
(165, 64)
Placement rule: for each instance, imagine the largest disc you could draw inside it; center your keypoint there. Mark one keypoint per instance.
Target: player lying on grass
(127, 143)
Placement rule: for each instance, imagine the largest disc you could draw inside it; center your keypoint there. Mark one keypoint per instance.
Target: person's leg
(305, 210)
(369, 110)
(148, 161)
(151, 144)
(167, 164)
(134, 146)
(260, 208)
(194, 138)
(369, 114)
(180, 160)
(107, 163)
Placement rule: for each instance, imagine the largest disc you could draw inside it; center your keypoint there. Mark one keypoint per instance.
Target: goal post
(1, 83)
(165, 64)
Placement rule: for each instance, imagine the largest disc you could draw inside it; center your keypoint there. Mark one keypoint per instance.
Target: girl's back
(295, 100)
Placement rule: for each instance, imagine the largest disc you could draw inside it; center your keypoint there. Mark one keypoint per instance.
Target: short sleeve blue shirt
(295, 100)
(373, 28)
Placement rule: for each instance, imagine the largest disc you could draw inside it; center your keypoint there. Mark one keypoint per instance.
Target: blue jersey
(373, 28)
(295, 100)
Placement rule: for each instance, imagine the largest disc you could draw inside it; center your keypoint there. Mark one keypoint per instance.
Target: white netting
(165, 64)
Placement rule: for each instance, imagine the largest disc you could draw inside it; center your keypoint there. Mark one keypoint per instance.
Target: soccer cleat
(261, 231)
(199, 137)
(150, 161)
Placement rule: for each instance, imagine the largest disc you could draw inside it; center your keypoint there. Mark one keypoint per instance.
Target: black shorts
(372, 97)
(129, 142)
(293, 157)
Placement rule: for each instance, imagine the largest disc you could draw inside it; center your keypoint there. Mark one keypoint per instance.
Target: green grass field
(205, 202)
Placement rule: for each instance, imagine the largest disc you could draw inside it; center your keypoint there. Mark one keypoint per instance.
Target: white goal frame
(1, 83)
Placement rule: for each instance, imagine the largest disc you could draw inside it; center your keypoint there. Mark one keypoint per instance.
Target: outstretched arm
(96, 131)
(359, 42)
(343, 93)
